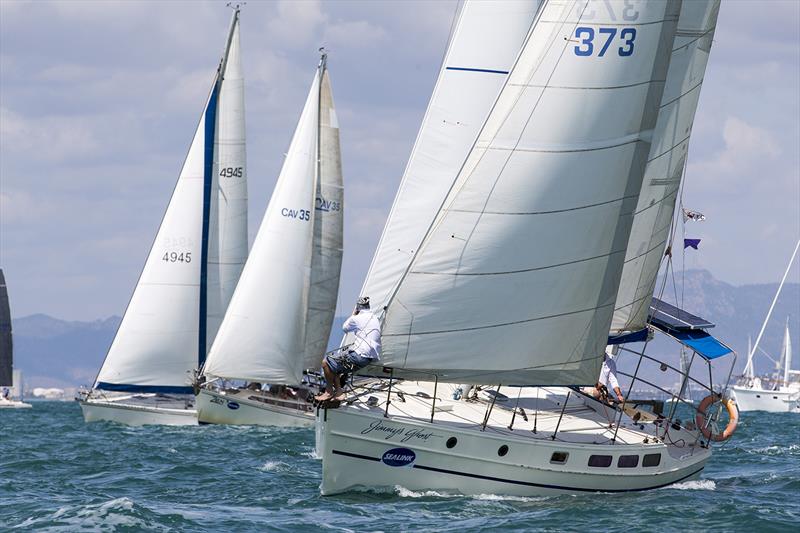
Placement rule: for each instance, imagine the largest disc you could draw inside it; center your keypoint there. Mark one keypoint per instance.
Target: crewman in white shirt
(608, 377)
(365, 350)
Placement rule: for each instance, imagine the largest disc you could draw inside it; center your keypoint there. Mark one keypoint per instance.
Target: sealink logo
(233, 405)
(399, 457)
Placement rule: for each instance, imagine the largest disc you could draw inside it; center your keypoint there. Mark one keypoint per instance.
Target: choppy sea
(59, 474)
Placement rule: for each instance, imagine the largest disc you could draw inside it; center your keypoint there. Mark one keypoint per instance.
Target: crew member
(608, 377)
(365, 349)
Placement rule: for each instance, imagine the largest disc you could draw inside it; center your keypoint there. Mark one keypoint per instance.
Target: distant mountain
(59, 353)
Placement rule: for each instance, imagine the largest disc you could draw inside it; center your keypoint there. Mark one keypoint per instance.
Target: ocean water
(59, 474)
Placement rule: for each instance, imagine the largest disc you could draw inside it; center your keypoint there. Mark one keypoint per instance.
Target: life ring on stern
(733, 413)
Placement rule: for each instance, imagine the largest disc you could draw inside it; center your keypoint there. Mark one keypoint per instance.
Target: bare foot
(339, 395)
(322, 397)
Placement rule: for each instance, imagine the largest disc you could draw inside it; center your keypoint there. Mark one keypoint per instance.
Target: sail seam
(605, 87)
(565, 150)
(565, 210)
(693, 88)
(489, 326)
(521, 271)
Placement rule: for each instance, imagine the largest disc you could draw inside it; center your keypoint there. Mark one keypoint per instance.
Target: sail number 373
(589, 46)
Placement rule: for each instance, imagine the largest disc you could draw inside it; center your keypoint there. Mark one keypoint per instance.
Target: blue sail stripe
(208, 180)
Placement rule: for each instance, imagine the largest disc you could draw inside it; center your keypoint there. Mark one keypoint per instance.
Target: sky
(99, 100)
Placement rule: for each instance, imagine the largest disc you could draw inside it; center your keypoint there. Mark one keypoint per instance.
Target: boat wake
(697, 484)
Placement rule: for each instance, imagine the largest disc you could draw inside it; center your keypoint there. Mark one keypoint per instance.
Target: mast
(748, 367)
(774, 300)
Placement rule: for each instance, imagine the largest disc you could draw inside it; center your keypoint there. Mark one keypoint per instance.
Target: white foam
(272, 466)
(500, 498)
(697, 484)
(407, 493)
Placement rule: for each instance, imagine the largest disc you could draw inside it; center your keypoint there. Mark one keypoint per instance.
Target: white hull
(363, 449)
(780, 401)
(135, 414)
(13, 404)
(244, 407)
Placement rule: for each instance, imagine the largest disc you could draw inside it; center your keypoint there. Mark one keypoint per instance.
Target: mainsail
(516, 278)
(165, 331)
(326, 259)
(486, 38)
(666, 162)
(6, 341)
(282, 308)
(228, 244)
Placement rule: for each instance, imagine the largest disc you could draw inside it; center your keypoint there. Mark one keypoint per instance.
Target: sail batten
(523, 325)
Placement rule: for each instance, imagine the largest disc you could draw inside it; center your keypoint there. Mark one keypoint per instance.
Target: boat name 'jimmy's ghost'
(392, 431)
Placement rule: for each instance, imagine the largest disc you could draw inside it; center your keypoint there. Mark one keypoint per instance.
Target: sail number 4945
(177, 257)
(231, 172)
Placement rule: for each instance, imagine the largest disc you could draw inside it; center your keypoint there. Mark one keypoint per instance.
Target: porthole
(774, 397)
(601, 461)
(651, 459)
(451, 442)
(628, 461)
(502, 450)
(758, 396)
(559, 458)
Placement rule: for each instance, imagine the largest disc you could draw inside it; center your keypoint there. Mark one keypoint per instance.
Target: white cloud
(297, 22)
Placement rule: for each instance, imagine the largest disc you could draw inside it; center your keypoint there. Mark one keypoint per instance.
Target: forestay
(666, 162)
(486, 38)
(326, 261)
(516, 279)
(228, 245)
(262, 337)
(165, 330)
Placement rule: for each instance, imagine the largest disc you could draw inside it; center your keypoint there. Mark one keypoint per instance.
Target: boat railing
(677, 398)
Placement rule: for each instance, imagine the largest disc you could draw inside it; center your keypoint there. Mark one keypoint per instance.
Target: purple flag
(690, 243)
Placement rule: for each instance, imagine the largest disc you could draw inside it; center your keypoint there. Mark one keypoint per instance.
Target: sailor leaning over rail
(366, 348)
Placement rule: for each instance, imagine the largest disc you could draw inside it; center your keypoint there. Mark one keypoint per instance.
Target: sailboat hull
(361, 448)
(771, 401)
(13, 404)
(244, 407)
(135, 414)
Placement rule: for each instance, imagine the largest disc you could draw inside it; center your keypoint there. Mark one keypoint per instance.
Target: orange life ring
(733, 413)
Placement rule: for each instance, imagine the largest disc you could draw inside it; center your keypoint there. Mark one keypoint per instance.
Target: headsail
(666, 162)
(262, 337)
(6, 341)
(326, 261)
(787, 354)
(516, 279)
(485, 41)
(164, 331)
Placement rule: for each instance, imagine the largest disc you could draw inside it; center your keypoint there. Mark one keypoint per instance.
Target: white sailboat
(280, 317)
(778, 394)
(190, 272)
(10, 378)
(512, 275)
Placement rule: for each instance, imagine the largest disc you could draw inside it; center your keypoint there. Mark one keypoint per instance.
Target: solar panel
(672, 317)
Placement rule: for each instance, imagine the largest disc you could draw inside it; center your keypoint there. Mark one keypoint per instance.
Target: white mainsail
(786, 356)
(228, 252)
(262, 337)
(516, 278)
(486, 38)
(164, 331)
(666, 162)
(326, 260)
